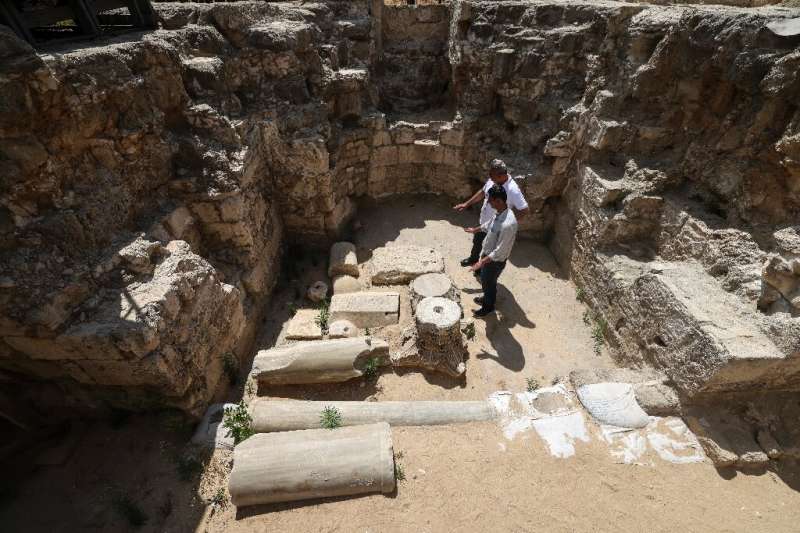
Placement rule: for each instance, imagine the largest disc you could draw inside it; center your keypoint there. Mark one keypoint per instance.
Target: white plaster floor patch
(554, 416)
(549, 411)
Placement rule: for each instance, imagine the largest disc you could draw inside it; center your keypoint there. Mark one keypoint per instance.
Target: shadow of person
(508, 351)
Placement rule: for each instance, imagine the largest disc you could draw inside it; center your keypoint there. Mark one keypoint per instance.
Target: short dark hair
(497, 191)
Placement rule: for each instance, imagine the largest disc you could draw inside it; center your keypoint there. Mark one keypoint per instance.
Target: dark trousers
(489, 274)
(477, 244)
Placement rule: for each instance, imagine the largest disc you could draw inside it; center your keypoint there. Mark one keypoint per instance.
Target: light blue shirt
(501, 232)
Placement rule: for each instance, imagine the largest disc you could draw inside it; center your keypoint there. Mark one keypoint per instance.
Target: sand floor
(458, 478)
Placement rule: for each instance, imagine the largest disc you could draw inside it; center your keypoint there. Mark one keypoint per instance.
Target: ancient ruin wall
(151, 180)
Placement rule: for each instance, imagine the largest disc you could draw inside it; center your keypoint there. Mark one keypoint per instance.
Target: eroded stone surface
(344, 284)
(340, 329)
(304, 325)
(395, 265)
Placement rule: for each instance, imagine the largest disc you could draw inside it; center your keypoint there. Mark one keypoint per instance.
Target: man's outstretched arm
(477, 197)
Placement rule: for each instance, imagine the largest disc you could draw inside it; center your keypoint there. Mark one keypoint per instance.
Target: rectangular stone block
(304, 326)
(385, 156)
(451, 137)
(366, 309)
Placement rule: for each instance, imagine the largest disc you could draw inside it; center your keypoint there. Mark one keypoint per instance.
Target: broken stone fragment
(341, 329)
(328, 361)
(366, 309)
(558, 145)
(345, 284)
(304, 325)
(210, 432)
(317, 292)
(343, 260)
(395, 265)
(769, 444)
(138, 255)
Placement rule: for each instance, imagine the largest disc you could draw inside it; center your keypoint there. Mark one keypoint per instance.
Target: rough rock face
(647, 137)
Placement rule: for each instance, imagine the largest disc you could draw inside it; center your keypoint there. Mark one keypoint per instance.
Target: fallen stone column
(316, 463)
(434, 285)
(291, 415)
(327, 361)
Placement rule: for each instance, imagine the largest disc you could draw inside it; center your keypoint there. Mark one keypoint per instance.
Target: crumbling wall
(151, 180)
(413, 71)
(652, 138)
(150, 183)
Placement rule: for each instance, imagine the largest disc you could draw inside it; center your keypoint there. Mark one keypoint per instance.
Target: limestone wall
(151, 180)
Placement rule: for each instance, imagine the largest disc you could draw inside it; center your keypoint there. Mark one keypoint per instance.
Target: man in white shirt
(501, 232)
(498, 175)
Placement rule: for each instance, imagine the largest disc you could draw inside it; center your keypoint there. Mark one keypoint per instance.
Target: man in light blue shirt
(501, 232)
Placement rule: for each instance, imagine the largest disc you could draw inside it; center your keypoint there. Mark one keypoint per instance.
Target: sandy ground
(458, 478)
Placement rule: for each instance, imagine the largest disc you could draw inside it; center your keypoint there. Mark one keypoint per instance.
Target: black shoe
(467, 262)
(478, 300)
(478, 313)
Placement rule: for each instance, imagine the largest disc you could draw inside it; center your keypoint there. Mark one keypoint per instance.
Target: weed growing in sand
(187, 467)
(587, 317)
(331, 417)
(323, 316)
(531, 384)
(292, 307)
(399, 471)
(469, 331)
(238, 422)
(219, 499)
(580, 294)
(231, 367)
(129, 510)
(371, 367)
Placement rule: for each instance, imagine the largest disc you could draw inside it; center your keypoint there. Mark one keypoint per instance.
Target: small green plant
(331, 417)
(219, 499)
(599, 333)
(292, 307)
(399, 471)
(323, 316)
(371, 367)
(187, 467)
(129, 510)
(469, 331)
(238, 422)
(587, 317)
(531, 384)
(231, 367)
(580, 294)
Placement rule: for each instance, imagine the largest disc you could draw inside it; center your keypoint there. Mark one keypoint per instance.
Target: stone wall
(150, 180)
(413, 71)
